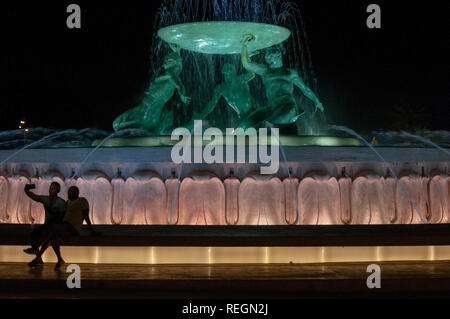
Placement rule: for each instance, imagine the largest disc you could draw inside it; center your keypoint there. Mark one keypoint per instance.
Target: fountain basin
(136, 186)
(286, 141)
(223, 37)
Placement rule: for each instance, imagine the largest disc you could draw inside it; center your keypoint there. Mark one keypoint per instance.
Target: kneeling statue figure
(149, 114)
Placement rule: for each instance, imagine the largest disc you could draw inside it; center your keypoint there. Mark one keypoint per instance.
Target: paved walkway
(343, 280)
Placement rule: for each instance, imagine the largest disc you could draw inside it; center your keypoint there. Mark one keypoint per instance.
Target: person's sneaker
(29, 251)
(59, 264)
(33, 263)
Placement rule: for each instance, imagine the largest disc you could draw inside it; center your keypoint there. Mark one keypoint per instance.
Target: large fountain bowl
(223, 37)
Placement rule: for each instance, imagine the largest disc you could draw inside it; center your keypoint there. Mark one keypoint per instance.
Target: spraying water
(350, 131)
(424, 140)
(29, 145)
(77, 172)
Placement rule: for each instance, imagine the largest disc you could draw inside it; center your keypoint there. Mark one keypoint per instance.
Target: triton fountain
(131, 178)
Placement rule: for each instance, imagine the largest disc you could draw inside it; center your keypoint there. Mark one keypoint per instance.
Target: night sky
(393, 78)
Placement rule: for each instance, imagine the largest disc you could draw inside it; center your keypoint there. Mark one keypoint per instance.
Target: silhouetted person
(54, 206)
(77, 211)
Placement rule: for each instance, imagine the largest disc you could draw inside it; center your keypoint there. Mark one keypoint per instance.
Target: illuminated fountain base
(334, 186)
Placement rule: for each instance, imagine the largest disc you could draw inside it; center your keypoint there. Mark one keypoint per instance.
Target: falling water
(177, 189)
(424, 140)
(289, 172)
(29, 145)
(350, 131)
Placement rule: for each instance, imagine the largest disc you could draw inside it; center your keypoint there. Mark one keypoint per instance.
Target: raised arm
(307, 91)
(212, 103)
(32, 195)
(249, 76)
(180, 88)
(259, 69)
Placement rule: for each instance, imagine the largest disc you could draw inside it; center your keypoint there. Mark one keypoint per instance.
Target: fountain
(131, 179)
(197, 27)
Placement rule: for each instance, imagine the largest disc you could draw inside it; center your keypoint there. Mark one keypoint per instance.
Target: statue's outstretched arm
(259, 69)
(249, 76)
(119, 126)
(212, 103)
(162, 78)
(175, 47)
(298, 81)
(180, 88)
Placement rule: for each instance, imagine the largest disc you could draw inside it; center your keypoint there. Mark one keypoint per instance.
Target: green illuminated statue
(149, 114)
(222, 38)
(235, 91)
(279, 86)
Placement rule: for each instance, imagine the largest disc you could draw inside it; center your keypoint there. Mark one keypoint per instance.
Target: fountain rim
(286, 140)
(202, 24)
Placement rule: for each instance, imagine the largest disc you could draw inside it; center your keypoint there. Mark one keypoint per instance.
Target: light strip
(219, 255)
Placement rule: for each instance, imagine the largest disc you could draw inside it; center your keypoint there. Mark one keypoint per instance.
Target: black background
(393, 78)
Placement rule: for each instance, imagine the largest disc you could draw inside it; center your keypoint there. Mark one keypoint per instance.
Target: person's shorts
(63, 231)
(40, 232)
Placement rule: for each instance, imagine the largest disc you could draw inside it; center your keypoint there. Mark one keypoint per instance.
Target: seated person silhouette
(279, 84)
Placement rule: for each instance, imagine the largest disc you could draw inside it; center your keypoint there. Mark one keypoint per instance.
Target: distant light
(22, 122)
(26, 130)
